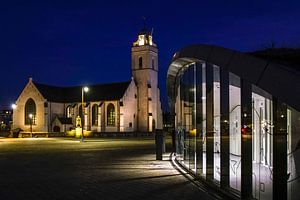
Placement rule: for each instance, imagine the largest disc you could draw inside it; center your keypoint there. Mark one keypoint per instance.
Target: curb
(211, 189)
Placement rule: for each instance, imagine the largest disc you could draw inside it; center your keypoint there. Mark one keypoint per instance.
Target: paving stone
(60, 168)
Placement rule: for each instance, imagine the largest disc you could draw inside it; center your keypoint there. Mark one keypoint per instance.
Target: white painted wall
(30, 91)
(128, 112)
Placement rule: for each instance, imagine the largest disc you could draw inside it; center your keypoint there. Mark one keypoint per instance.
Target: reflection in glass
(190, 122)
(235, 131)
(262, 144)
(293, 155)
(217, 116)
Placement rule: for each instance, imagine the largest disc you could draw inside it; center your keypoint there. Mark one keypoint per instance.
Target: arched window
(30, 112)
(69, 112)
(140, 62)
(80, 114)
(95, 115)
(111, 115)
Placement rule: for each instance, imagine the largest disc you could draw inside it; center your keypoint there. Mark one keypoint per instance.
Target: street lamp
(83, 90)
(13, 106)
(30, 117)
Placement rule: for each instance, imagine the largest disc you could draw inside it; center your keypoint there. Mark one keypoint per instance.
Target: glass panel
(204, 118)
(179, 125)
(199, 119)
(293, 154)
(217, 116)
(192, 130)
(186, 104)
(186, 118)
(188, 91)
(262, 144)
(235, 131)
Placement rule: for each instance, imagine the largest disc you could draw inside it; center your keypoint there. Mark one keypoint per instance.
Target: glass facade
(235, 132)
(293, 156)
(261, 142)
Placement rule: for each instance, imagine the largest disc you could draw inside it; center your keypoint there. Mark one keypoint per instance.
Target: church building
(128, 106)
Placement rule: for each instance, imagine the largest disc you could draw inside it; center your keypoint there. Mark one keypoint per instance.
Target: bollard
(159, 143)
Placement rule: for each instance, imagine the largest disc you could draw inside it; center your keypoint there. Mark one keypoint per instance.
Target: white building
(114, 107)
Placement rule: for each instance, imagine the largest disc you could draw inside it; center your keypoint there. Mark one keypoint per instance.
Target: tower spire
(144, 36)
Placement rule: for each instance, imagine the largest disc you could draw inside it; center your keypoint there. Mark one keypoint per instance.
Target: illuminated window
(140, 62)
(111, 115)
(69, 112)
(30, 112)
(95, 115)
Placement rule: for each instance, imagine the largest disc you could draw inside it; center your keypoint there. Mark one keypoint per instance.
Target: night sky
(69, 43)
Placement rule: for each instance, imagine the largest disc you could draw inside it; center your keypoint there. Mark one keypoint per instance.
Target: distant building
(5, 119)
(128, 106)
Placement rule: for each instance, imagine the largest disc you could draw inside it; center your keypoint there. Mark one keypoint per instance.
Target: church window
(81, 114)
(30, 112)
(140, 62)
(111, 115)
(95, 115)
(69, 112)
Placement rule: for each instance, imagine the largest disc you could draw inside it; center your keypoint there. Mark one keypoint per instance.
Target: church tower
(145, 73)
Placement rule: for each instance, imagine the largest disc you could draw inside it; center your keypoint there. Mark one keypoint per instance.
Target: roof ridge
(99, 92)
(65, 87)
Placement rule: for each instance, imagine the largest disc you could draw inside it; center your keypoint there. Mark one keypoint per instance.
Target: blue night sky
(85, 42)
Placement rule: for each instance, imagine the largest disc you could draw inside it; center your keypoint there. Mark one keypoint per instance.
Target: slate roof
(99, 92)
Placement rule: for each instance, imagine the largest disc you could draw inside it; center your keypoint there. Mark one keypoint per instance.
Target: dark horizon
(79, 43)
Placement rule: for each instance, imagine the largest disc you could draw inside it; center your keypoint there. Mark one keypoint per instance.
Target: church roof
(99, 92)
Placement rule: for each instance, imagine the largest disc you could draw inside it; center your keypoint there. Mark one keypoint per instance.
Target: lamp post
(83, 90)
(30, 117)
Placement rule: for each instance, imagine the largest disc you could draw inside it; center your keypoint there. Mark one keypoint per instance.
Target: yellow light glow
(141, 40)
(193, 132)
(150, 40)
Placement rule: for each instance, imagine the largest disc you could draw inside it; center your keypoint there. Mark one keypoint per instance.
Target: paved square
(60, 168)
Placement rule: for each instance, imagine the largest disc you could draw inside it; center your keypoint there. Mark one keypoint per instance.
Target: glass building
(237, 121)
